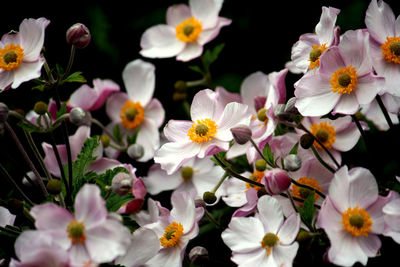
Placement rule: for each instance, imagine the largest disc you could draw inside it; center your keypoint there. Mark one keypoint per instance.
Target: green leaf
(117, 133)
(308, 209)
(132, 139)
(115, 201)
(294, 149)
(196, 69)
(62, 111)
(39, 87)
(75, 77)
(106, 177)
(212, 55)
(26, 126)
(269, 155)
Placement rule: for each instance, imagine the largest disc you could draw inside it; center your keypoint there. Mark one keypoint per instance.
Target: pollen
(315, 53)
(269, 241)
(303, 193)
(357, 221)
(202, 131)
(325, 133)
(11, 56)
(391, 49)
(188, 31)
(172, 235)
(76, 232)
(344, 80)
(256, 176)
(131, 114)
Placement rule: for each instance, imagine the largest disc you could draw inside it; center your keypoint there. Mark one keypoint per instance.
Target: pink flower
(391, 213)
(344, 81)
(263, 240)
(20, 58)
(207, 134)
(136, 110)
(188, 28)
(90, 234)
(352, 216)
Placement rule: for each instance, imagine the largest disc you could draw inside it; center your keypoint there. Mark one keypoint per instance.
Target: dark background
(259, 39)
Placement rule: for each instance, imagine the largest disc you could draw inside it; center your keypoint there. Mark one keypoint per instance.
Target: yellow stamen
(344, 80)
(391, 49)
(131, 114)
(202, 131)
(172, 235)
(303, 193)
(315, 53)
(188, 31)
(357, 221)
(256, 176)
(76, 232)
(269, 241)
(11, 56)
(325, 133)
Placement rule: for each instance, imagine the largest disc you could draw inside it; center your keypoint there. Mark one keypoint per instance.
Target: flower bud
(280, 112)
(77, 116)
(306, 140)
(3, 112)
(276, 181)
(122, 183)
(105, 140)
(180, 86)
(198, 255)
(40, 108)
(54, 186)
(78, 35)
(209, 197)
(177, 96)
(261, 165)
(290, 106)
(241, 134)
(292, 162)
(135, 151)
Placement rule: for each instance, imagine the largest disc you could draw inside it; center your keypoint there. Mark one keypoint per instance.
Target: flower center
(172, 235)
(202, 131)
(261, 115)
(256, 176)
(325, 133)
(357, 221)
(131, 114)
(188, 31)
(303, 193)
(269, 241)
(76, 232)
(315, 53)
(11, 57)
(344, 80)
(187, 173)
(391, 49)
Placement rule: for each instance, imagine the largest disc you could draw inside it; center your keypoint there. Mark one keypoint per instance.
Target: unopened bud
(135, 151)
(290, 106)
(280, 112)
(40, 108)
(306, 140)
(105, 140)
(209, 197)
(180, 86)
(261, 165)
(242, 134)
(122, 183)
(78, 35)
(198, 255)
(292, 162)
(177, 96)
(77, 116)
(54, 186)
(3, 112)
(276, 181)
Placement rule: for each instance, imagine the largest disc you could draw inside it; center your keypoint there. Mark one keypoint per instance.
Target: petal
(84, 97)
(49, 216)
(284, 255)
(288, 231)
(114, 105)
(209, 34)
(233, 115)
(326, 24)
(331, 60)
(254, 85)
(149, 138)
(177, 131)
(368, 87)
(6, 79)
(176, 14)
(154, 111)
(204, 105)
(271, 214)
(206, 11)
(317, 105)
(27, 71)
(329, 218)
(172, 256)
(339, 189)
(347, 104)
(90, 206)
(32, 37)
(380, 20)
(103, 89)
(347, 138)
(183, 210)
(363, 190)
(158, 180)
(6, 217)
(258, 257)
(191, 51)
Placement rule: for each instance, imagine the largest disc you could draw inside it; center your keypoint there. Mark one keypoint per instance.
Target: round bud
(40, 108)
(54, 186)
(292, 162)
(180, 86)
(105, 140)
(77, 116)
(276, 181)
(241, 134)
(78, 35)
(261, 165)
(15, 206)
(209, 197)
(198, 255)
(306, 140)
(135, 151)
(122, 183)
(3, 112)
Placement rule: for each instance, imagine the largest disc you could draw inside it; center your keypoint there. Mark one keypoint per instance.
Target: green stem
(295, 208)
(358, 124)
(10, 231)
(105, 130)
(211, 218)
(220, 182)
(261, 154)
(318, 157)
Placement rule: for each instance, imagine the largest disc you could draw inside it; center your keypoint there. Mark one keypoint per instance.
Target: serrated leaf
(75, 77)
(196, 69)
(212, 55)
(115, 201)
(106, 177)
(294, 149)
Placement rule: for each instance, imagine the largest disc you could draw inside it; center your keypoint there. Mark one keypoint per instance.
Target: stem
(105, 130)
(70, 61)
(211, 218)
(308, 187)
(261, 154)
(295, 208)
(186, 107)
(364, 136)
(220, 182)
(10, 231)
(384, 111)
(318, 157)
(22, 118)
(196, 83)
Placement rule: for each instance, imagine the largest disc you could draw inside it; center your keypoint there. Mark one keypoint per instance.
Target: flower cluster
(264, 172)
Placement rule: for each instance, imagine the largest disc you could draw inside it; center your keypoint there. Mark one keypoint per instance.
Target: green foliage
(308, 209)
(75, 77)
(117, 133)
(294, 149)
(269, 155)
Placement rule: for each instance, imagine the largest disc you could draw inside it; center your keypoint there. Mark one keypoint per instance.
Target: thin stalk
(384, 110)
(70, 61)
(260, 153)
(211, 218)
(308, 187)
(357, 122)
(318, 157)
(22, 118)
(10, 231)
(105, 130)
(220, 182)
(196, 83)
(295, 208)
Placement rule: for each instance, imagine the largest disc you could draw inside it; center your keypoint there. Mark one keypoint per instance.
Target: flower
(20, 58)
(188, 28)
(90, 234)
(345, 79)
(136, 110)
(263, 240)
(207, 133)
(307, 50)
(391, 213)
(352, 217)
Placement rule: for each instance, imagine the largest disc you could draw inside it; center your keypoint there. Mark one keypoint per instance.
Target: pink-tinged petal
(12, 37)
(50, 158)
(172, 256)
(278, 86)
(149, 138)
(237, 150)
(233, 115)
(6, 79)
(114, 105)
(326, 24)
(254, 85)
(250, 206)
(317, 105)
(103, 88)
(257, 257)
(157, 180)
(78, 139)
(331, 60)
(84, 97)
(370, 245)
(144, 245)
(90, 206)
(155, 112)
(347, 105)
(212, 147)
(101, 165)
(300, 53)
(79, 255)
(248, 230)
(380, 21)
(183, 210)
(206, 11)
(204, 181)
(235, 195)
(173, 155)
(107, 241)
(377, 216)
(284, 255)
(288, 231)
(176, 14)
(363, 190)
(177, 130)
(32, 37)
(204, 105)
(139, 80)
(6, 217)
(132, 207)
(49, 216)
(368, 87)
(27, 71)
(224, 97)
(339, 190)
(347, 138)
(271, 214)
(160, 42)
(139, 189)
(209, 34)
(191, 51)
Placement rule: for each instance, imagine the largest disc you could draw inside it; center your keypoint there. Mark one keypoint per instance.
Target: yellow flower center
(188, 31)
(344, 80)
(76, 232)
(11, 57)
(315, 53)
(269, 241)
(303, 193)
(202, 131)
(325, 133)
(256, 176)
(357, 221)
(391, 49)
(172, 234)
(131, 114)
